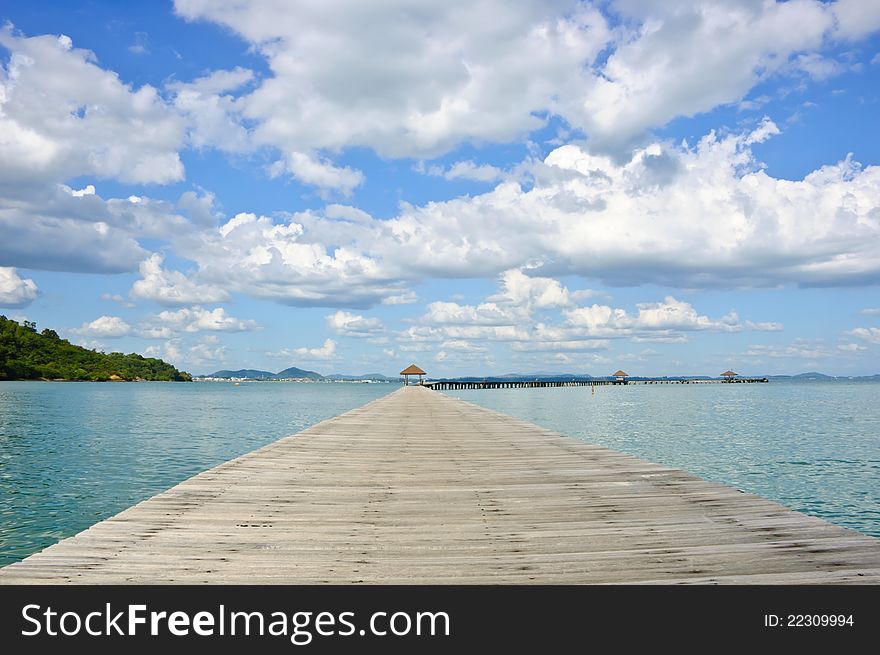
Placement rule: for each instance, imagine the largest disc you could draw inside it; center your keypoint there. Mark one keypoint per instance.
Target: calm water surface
(812, 446)
(72, 454)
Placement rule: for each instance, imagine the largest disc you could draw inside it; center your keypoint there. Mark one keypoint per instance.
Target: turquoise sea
(72, 454)
(75, 453)
(812, 446)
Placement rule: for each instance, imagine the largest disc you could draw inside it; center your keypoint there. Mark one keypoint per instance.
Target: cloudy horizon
(478, 187)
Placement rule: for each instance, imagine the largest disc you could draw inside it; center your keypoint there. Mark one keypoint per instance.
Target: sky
(476, 186)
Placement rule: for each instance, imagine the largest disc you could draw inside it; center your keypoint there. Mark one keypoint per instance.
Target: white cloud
(520, 289)
(324, 352)
(169, 287)
(407, 298)
(62, 115)
(52, 229)
(461, 345)
(768, 326)
(410, 79)
(799, 348)
(669, 315)
(675, 215)
(407, 79)
(140, 46)
(869, 334)
(489, 313)
(104, 326)
(311, 169)
(117, 298)
(556, 346)
(207, 352)
(209, 108)
(463, 170)
(198, 319)
(851, 347)
(817, 66)
(303, 260)
(871, 311)
(353, 325)
(16, 291)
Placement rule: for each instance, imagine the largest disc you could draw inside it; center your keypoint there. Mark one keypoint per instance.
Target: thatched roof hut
(621, 374)
(729, 375)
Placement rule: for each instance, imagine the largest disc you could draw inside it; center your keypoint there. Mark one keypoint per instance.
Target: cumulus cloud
(198, 319)
(169, 287)
(62, 115)
(15, 291)
(304, 259)
(353, 325)
(324, 352)
(104, 326)
(53, 229)
(510, 318)
(311, 169)
(412, 80)
(671, 314)
(711, 218)
(488, 313)
(407, 79)
(519, 289)
(463, 170)
(871, 311)
(209, 106)
(869, 334)
(407, 298)
(206, 352)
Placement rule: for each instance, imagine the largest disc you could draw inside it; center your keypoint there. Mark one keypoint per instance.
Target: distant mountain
(242, 373)
(365, 376)
(812, 375)
(803, 376)
(294, 372)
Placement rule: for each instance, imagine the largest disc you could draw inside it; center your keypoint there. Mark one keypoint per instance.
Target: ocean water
(812, 446)
(72, 454)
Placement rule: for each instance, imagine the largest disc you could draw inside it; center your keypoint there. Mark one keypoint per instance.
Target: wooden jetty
(419, 487)
(455, 385)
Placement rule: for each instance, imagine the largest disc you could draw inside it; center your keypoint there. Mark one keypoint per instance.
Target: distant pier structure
(616, 378)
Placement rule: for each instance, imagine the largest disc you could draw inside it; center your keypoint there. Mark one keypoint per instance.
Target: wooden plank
(418, 487)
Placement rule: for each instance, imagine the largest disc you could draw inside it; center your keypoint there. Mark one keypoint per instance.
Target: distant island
(292, 373)
(26, 354)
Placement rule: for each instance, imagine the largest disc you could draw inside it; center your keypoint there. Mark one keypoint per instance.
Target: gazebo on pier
(412, 369)
(729, 375)
(621, 376)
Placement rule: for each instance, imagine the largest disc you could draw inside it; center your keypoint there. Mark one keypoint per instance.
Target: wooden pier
(418, 487)
(455, 385)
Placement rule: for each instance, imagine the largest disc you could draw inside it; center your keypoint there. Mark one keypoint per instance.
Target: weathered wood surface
(418, 487)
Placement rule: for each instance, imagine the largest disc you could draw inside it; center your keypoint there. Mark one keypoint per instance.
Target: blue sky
(668, 188)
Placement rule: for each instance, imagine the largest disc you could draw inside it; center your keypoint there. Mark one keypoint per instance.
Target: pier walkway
(419, 487)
